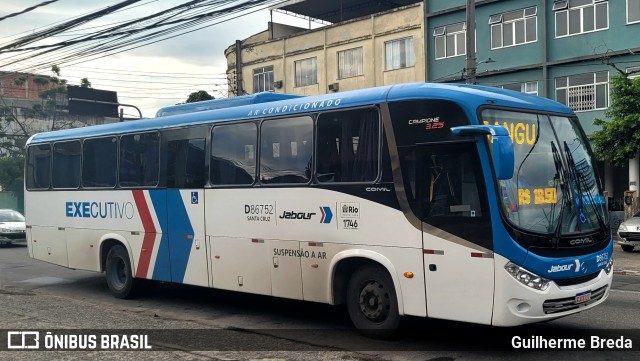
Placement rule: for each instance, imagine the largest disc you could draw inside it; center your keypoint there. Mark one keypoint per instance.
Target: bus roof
(470, 97)
(263, 97)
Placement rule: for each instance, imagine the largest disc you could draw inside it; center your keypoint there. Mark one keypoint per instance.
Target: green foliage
(52, 93)
(85, 83)
(11, 174)
(56, 70)
(20, 80)
(619, 138)
(199, 96)
(40, 81)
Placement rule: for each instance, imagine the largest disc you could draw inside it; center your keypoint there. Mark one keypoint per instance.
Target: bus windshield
(554, 188)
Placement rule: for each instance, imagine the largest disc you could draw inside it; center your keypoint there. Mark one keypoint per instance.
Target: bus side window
(38, 166)
(66, 165)
(347, 149)
(451, 186)
(139, 160)
(99, 166)
(453, 194)
(233, 154)
(186, 167)
(285, 150)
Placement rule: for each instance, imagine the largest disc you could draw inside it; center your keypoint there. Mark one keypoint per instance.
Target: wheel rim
(118, 274)
(374, 301)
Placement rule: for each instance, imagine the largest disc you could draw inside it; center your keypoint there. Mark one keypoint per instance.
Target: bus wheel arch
(117, 264)
(371, 292)
(107, 242)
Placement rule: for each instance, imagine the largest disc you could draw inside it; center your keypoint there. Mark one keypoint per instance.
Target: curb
(626, 272)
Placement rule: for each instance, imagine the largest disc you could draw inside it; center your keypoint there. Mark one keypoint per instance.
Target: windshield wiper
(566, 198)
(578, 178)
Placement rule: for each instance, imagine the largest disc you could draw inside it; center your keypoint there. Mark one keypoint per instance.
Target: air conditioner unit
(334, 87)
(277, 84)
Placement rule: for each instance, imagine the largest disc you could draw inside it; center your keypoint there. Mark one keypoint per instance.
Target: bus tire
(372, 302)
(118, 272)
(627, 248)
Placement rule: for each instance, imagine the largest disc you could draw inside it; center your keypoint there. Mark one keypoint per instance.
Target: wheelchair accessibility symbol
(194, 197)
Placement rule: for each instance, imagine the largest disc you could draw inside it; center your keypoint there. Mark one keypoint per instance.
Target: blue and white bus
(448, 201)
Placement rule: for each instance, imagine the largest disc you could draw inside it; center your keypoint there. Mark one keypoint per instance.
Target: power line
(67, 25)
(131, 33)
(146, 82)
(28, 9)
(151, 75)
(64, 20)
(144, 72)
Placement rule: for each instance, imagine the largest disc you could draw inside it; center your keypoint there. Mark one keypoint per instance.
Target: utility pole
(471, 42)
(239, 90)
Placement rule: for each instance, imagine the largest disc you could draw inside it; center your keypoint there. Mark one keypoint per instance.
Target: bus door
(457, 237)
(186, 173)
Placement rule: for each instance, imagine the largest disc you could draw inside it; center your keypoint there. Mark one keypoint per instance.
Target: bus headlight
(622, 228)
(609, 266)
(527, 278)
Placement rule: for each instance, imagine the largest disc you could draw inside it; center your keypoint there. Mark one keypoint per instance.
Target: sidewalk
(627, 263)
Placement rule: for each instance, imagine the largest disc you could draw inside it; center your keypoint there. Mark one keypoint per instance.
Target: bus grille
(576, 280)
(569, 303)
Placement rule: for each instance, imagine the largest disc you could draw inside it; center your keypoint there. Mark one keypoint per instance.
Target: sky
(150, 77)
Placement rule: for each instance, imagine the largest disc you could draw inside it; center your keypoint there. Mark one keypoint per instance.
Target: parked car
(629, 233)
(12, 227)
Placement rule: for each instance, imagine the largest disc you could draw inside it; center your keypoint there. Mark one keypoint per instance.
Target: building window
(530, 87)
(306, 72)
(584, 92)
(263, 79)
(580, 16)
(633, 11)
(450, 40)
(398, 53)
(513, 28)
(633, 72)
(350, 63)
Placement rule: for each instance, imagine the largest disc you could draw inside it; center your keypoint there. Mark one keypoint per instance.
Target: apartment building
(566, 50)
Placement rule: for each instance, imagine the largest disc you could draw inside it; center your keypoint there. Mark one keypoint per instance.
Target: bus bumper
(517, 304)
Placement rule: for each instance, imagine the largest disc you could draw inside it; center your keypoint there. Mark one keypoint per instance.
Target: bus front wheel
(372, 302)
(118, 272)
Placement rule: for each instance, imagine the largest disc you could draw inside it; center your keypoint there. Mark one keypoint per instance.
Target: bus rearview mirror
(501, 146)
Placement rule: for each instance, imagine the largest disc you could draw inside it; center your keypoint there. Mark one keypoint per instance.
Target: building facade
(566, 50)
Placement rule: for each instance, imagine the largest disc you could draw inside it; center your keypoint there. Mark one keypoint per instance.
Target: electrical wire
(45, 3)
(131, 35)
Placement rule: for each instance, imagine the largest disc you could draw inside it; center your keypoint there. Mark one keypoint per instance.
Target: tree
(199, 96)
(619, 138)
(85, 83)
(11, 176)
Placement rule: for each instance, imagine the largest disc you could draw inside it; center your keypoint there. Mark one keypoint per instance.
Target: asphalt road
(36, 295)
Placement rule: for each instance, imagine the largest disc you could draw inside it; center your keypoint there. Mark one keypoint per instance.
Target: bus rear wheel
(372, 302)
(118, 272)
